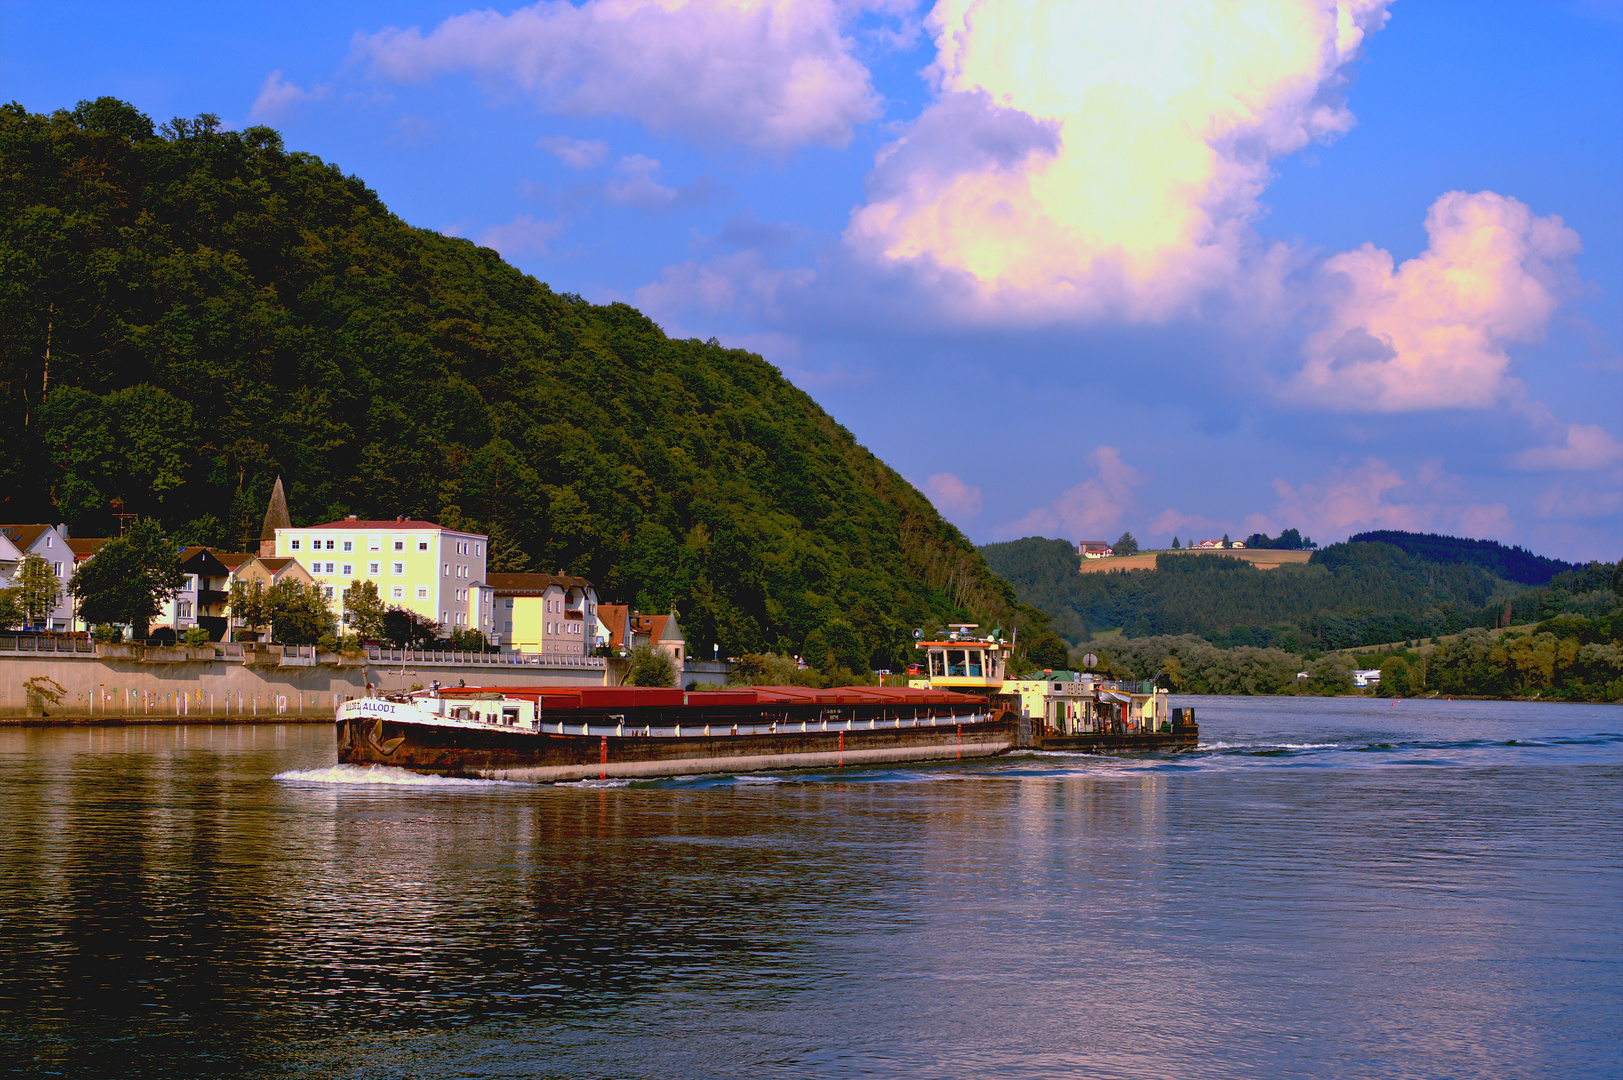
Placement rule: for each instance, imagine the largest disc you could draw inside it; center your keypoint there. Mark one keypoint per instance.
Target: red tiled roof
(397, 523)
(85, 546)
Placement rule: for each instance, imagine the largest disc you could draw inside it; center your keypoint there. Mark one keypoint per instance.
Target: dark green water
(1325, 889)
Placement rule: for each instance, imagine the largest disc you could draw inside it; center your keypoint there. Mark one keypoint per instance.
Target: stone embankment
(238, 683)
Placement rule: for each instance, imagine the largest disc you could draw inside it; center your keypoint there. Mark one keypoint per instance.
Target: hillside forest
(1211, 623)
(188, 312)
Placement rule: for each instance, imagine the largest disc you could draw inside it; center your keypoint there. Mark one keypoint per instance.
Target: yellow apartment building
(418, 565)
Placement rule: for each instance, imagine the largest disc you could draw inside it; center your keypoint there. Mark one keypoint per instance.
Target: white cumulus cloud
(1099, 158)
(576, 153)
(522, 236)
(765, 73)
(1432, 333)
(277, 96)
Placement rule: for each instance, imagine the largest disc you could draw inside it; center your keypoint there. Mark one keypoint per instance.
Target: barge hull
(543, 757)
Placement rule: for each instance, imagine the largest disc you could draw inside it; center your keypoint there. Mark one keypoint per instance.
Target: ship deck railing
(492, 659)
(549, 726)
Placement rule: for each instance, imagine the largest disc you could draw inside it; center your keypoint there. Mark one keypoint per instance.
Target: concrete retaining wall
(116, 688)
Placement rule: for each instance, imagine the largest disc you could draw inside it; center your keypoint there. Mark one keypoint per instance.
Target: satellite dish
(1089, 662)
(918, 635)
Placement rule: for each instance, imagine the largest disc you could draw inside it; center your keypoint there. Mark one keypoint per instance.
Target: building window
(293, 544)
(478, 549)
(328, 590)
(507, 602)
(399, 569)
(447, 571)
(445, 616)
(422, 592)
(400, 545)
(349, 545)
(184, 609)
(422, 545)
(372, 569)
(507, 627)
(399, 592)
(349, 569)
(330, 543)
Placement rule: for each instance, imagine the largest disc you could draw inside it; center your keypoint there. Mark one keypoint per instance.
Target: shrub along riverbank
(1567, 658)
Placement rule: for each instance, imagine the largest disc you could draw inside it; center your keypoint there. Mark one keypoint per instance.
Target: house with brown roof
(267, 570)
(49, 542)
(628, 628)
(549, 614)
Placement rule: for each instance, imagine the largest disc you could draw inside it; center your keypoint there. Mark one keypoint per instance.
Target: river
(1326, 888)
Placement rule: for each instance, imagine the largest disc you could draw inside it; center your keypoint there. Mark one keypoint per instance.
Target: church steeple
(275, 518)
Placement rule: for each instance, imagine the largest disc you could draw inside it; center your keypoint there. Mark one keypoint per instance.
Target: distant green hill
(1510, 563)
(1347, 595)
(187, 313)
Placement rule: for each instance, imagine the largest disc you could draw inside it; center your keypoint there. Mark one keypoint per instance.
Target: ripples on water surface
(1325, 888)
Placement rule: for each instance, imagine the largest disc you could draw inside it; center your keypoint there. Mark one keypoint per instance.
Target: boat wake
(380, 775)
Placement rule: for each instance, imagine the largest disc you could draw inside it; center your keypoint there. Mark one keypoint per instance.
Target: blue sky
(1176, 268)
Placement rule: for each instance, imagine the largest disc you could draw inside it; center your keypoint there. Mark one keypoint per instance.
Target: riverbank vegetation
(1566, 658)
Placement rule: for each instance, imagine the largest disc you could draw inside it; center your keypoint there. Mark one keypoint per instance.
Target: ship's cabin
(963, 660)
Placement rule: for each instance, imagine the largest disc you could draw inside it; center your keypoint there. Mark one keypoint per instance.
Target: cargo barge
(556, 734)
(957, 707)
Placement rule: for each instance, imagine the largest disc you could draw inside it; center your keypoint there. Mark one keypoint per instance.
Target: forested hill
(1510, 563)
(189, 312)
(1348, 595)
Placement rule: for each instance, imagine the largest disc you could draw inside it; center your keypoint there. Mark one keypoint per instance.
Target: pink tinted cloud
(1587, 447)
(1374, 495)
(1088, 511)
(952, 496)
(1433, 333)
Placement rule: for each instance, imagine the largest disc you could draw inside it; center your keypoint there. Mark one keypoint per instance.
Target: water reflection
(170, 908)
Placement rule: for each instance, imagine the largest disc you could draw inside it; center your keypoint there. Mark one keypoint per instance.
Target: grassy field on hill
(1261, 558)
(188, 312)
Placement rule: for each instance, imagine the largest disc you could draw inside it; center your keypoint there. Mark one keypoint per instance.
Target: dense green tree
(11, 613)
(299, 612)
(129, 577)
(38, 590)
(1395, 680)
(365, 610)
(650, 667)
(1125, 545)
(403, 627)
(248, 605)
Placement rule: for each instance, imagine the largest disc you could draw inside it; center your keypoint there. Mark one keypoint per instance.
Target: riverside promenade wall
(131, 683)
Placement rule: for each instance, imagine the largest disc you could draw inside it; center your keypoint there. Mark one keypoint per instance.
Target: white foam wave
(618, 782)
(1269, 746)
(380, 774)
